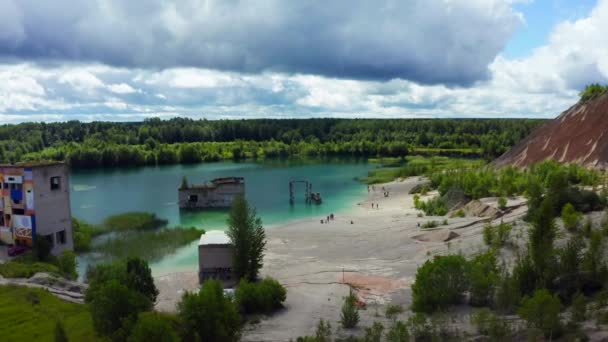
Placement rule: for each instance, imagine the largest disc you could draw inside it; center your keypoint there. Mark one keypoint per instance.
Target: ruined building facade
(35, 202)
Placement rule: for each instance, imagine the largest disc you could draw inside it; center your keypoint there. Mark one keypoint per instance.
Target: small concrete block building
(219, 193)
(35, 201)
(215, 258)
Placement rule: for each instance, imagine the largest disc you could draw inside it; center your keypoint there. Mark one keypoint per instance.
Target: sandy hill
(578, 135)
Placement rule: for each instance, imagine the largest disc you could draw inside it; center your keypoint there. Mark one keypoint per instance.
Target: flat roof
(214, 237)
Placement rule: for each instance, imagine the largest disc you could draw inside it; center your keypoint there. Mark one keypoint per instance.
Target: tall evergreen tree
(248, 237)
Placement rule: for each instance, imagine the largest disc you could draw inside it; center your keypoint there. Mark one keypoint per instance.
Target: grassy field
(392, 168)
(28, 314)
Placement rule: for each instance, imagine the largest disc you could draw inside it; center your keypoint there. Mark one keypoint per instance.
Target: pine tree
(350, 314)
(248, 237)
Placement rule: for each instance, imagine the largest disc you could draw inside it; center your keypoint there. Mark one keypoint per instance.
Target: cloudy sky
(128, 60)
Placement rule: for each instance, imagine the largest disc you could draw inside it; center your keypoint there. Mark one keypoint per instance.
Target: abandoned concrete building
(35, 202)
(215, 258)
(219, 193)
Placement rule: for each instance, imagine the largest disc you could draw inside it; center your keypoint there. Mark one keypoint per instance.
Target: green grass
(416, 166)
(28, 314)
(18, 269)
(133, 221)
(148, 245)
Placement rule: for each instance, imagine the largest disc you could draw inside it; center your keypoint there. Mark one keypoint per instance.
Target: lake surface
(97, 194)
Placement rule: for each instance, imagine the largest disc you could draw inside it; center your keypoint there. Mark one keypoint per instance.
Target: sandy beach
(376, 251)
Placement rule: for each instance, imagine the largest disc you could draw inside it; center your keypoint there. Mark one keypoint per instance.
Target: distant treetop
(592, 90)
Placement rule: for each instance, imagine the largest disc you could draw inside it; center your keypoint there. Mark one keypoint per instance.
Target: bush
(541, 311)
(507, 296)
(322, 334)
(208, 315)
(374, 333)
(496, 236)
(349, 317)
(67, 264)
(492, 326)
(570, 217)
(392, 311)
(153, 327)
(263, 297)
(398, 332)
(139, 278)
(439, 283)
(579, 308)
(502, 203)
(592, 90)
(433, 207)
(115, 308)
(430, 224)
(483, 278)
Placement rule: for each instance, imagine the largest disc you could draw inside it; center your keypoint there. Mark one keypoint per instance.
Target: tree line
(181, 140)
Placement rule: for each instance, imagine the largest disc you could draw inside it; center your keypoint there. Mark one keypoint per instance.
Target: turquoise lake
(97, 194)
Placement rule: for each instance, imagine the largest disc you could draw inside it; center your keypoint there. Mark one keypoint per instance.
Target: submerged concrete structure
(219, 193)
(35, 202)
(215, 258)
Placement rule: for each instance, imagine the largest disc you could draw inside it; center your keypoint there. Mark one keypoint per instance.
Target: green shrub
(420, 328)
(263, 297)
(433, 207)
(570, 217)
(507, 296)
(114, 309)
(439, 283)
(579, 308)
(67, 264)
(496, 236)
(323, 332)
(492, 326)
(592, 90)
(541, 311)
(349, 316)
(398, 332)
(502, 203)
(483, 277)
(374, 333)
(430, 224)
(392, 311)
(207, 315)
(153, 327)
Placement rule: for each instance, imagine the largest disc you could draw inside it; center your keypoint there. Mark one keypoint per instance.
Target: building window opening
(61, 237)
(193, 198)
(55, 183)
(49, 238)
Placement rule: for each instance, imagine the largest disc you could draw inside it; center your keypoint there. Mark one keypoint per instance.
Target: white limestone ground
(318, 263)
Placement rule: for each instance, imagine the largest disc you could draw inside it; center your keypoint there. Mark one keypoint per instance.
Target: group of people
(330, 217)
(373, 188)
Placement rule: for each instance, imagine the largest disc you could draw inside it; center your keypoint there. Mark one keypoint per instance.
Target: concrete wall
(53, 213)
(214, 257)
(218, 197)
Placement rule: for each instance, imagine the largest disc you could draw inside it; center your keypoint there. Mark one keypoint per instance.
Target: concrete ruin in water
(219, 193)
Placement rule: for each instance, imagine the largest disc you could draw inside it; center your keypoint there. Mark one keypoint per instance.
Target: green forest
(179, 140)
